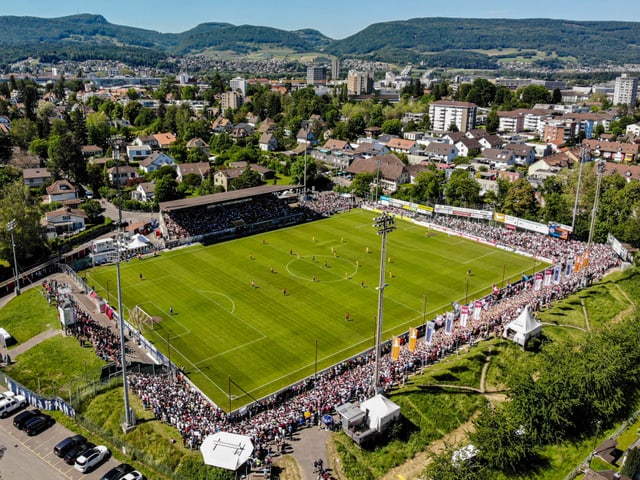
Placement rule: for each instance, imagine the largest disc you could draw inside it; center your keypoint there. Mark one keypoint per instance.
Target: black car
(20, 420)
(38, 423)
(61, 449)
(75, 452)
(116, 473)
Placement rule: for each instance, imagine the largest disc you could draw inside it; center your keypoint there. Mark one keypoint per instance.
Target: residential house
(221, 125)
(524, 155)
(35, 177)
(267, 126)
(498, 157)
(467, 147)
(144, 192)
(370, 149)
(91, 151)
(453, 137)
(491, 141)
(155, 161)
(267, 142)
(616, 151)
(198, 144)
(634, 129)
(628, 172)
(549, 165)
(334, 144)
(138, 152)
(393, 172)
(440, 152)
(165, 140)
(242, 130)
(121, 174)
(401, 145)
(305, 135)
(225, 176)
(372, 132)
(62, 191)
(415, 136)
(201, 169)
(146, 140)
(64, 221)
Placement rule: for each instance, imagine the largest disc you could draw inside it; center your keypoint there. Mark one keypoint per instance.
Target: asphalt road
(23, 457)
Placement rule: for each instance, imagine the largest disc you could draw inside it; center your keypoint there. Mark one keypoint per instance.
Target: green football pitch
(253, 315)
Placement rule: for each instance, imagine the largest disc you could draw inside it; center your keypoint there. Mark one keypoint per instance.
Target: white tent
(380, 412)
(523, 328)
(226, 450)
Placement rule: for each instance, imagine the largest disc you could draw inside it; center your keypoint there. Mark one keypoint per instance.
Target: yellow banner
(499, 217)
(395, 349)
(413, 339)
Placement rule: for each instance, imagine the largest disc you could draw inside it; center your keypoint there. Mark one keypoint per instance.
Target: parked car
(135, 475)
(20, 420)
(7, 394)
(73, 453)
(12, 404)
(61, 449)
(90, 459)
(38, 424)
(117, 473)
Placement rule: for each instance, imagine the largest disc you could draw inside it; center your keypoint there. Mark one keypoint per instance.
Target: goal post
(141, 320)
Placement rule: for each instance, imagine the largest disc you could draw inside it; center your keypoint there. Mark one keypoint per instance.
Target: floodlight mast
(116, 142)
(385, 224)
(11, 226)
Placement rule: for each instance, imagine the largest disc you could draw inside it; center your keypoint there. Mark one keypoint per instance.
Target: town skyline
(334, 19)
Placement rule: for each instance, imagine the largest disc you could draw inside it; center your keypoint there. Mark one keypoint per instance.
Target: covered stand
(523, 328)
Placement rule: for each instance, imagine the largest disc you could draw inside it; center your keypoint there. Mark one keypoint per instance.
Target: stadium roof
(224, 197)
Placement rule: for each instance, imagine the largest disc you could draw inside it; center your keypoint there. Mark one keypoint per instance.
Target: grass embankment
(29, 316)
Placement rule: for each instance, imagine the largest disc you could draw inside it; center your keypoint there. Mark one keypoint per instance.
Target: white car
(6, 395)
(135, 475)
(91, 458)
(10, 404)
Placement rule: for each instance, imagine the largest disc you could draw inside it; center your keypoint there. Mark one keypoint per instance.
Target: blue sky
(336, 19)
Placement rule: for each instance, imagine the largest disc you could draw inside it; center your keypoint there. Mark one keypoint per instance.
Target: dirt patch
(286, 468)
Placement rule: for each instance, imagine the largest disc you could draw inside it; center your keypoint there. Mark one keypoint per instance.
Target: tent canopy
(382, 411)
(523, 328)
(226, 450)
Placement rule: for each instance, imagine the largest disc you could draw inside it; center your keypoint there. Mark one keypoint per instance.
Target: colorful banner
(413, 339)
(448, 325)
(577, 265)
(568, 268)
(538, 282)
(548, 275)
(428, 335)
(477, 311)
(585, 260)
(557, 271)
(395, 349)
(464, 315)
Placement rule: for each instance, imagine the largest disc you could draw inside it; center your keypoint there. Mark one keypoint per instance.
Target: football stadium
(247, 317)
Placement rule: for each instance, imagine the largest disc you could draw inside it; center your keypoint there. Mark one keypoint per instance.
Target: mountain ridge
(434, 41)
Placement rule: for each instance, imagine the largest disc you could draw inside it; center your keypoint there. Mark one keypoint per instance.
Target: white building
(239, 84)
(625, 90)
(445, 113)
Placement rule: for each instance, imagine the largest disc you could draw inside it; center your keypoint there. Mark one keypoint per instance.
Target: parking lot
(22, 456)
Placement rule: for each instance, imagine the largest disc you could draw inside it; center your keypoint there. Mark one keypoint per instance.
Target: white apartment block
(625, 90)
(239, 84)
(444, 113)
(359, 83)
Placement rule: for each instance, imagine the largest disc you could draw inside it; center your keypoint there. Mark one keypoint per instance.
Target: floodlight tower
(11, 226)
(385, 224)
(116, 142)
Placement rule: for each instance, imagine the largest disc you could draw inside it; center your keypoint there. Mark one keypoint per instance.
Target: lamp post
(583, 149)
(594, 211)
(11, 226)
(385, 224)
(116, 142)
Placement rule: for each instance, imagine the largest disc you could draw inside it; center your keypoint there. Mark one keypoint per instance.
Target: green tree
(98, 129)
(65, 157)
(493, 121)
(247, 179)
(23, 131)
(131, 111)
(93, 209)
(502, 443)
(6, 147)
(18, 204)
(166, 189)
(392, 127)
(443, 467)
(361, 184)
(40, 148)
(521, 200)
(462, 190)
(532, 94)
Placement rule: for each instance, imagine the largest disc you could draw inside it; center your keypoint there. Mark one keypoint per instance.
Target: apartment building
(445, 113)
